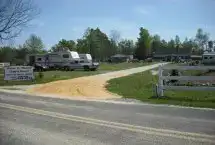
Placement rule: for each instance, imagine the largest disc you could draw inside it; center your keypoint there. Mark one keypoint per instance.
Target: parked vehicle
(208, 58)
(81, 65)
(66, 60)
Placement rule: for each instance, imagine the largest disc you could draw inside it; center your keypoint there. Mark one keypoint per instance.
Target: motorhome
(208, 58)
(68, 60)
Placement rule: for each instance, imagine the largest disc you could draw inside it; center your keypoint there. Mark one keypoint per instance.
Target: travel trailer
(67, 60)
(85, 57)
(208, 58)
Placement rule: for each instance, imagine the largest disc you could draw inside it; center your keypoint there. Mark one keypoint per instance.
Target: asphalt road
(28, 120)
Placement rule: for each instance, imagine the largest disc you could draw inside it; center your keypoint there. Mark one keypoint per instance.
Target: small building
(121, 58)
(171, 57)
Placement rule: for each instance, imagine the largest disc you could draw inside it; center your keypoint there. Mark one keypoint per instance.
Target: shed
(121, 58)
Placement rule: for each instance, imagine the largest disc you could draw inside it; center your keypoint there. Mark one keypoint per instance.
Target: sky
(68, 19)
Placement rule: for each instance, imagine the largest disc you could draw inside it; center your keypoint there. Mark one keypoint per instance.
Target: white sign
(18, 73)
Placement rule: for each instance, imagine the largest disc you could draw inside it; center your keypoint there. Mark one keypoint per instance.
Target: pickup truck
(79, 65)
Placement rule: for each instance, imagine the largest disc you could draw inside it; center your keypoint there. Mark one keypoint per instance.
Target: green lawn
(62, 75)
(141, 89)
(48, 77)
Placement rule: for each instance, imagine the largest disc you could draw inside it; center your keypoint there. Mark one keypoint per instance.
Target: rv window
(205, 57)
(211, 57)
(81, 61)
(76, 61)
(65, 55)
(39, 59)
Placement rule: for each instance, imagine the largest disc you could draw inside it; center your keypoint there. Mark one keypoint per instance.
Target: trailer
(208, 58)
(66, 60)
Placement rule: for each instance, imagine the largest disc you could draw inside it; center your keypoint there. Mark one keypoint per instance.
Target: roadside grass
(49, 76)
(140, 86)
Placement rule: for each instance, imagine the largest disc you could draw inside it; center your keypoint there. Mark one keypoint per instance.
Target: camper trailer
(85, 58)
(67, 60)
(208, 58)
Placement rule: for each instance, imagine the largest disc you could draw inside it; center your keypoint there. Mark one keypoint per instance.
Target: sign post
(19, 73)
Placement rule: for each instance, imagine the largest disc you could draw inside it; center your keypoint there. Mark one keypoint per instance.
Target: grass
(50, 76)
(141, 89)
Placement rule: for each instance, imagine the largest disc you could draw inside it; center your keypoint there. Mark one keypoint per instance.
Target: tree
(115, 36)
(82, 46)
(210, 45)
(34, 44)
(177, 43)
(201, 38)
(156, 43)
(114, 39)
(64, 45)
(171, 45)
(96, 43)
(143, 44)
(7, 54)
(14, 16)
(126, 46)
(187, 46)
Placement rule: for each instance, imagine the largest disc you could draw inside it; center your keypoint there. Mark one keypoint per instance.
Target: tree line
(15, 15)
(101, 46)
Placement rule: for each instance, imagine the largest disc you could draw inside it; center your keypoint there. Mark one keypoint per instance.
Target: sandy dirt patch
(86, 87)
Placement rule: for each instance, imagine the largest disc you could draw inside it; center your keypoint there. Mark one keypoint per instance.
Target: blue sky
(69, 19)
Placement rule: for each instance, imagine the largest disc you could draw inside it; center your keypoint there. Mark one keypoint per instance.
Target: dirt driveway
(92, 87)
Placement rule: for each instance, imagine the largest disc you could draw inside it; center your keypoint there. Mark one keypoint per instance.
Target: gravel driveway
(90, 87)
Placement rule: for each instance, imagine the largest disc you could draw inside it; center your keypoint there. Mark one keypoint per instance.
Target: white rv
(208, 58)
(68, 60)
(85, 57)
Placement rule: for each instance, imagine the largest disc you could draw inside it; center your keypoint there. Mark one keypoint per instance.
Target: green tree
(114, 40)
(7, 54)
(201, 38)
(210, 45)
(126, 46)
(171, 45)
(143, 44)
(64, 45)
(187, 46)
(115, 36)
(177, 43)
(156, 43)
(34, 44)
(96, 43)
(82, 46)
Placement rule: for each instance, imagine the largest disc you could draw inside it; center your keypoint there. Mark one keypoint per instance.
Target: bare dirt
(92, 87)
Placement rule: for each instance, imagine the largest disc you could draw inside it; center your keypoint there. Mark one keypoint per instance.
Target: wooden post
(160, 82)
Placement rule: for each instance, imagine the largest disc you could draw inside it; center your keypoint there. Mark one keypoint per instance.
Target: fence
(162, 86)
